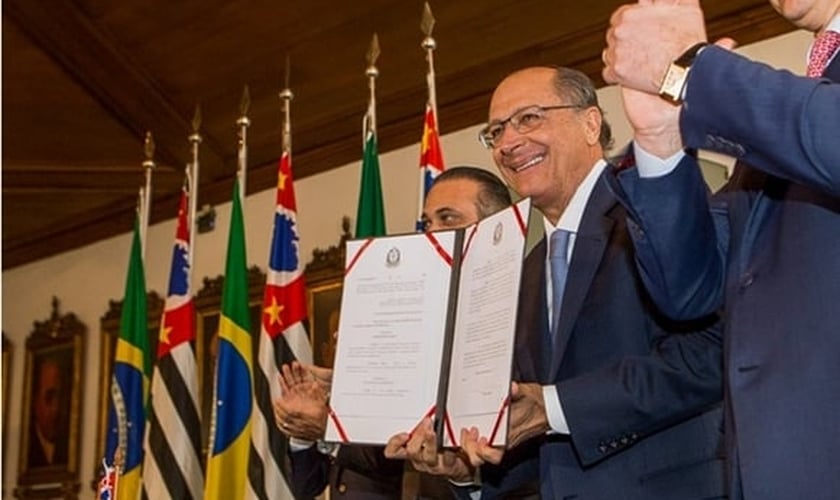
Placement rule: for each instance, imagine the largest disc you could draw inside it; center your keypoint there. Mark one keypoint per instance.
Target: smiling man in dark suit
(612, 400)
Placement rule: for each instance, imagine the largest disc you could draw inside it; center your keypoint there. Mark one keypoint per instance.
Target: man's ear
(592, 119)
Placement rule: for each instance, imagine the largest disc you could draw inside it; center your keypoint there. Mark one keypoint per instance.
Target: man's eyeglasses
(523, 121)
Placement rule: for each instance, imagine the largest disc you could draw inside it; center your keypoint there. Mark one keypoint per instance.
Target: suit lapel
(590, 243)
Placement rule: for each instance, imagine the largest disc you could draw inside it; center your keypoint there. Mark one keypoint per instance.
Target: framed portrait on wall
(50, 421)
(324, 303)
(324, 280)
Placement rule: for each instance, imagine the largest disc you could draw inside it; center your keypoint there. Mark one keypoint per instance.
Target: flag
(227, 463)
(370, 216)
(172, 466)
(431, 159)
(108, 483)
(130, 380)
(282, 339)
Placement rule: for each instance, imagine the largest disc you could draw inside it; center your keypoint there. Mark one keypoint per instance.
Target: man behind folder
(613, 401)
(460, 196)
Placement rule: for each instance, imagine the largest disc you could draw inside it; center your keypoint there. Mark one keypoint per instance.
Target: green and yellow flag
(227, 465)
(130, 380)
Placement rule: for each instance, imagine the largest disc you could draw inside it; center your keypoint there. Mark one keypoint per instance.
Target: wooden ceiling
(83, 80)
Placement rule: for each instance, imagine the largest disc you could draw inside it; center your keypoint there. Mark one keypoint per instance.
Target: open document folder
(427, 329)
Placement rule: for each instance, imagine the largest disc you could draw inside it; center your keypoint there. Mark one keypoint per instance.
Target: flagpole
(243, 122)
(286, 96)
(140, 210)
(148, 166)
(369, 123)
(192, 185)
(427, 24)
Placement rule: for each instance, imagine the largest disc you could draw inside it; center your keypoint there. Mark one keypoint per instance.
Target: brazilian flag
(227, 466)
(130, 380)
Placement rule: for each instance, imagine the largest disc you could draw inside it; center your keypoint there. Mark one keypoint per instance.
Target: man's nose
(509, 141)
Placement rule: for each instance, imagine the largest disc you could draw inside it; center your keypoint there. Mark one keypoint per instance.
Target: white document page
(482, 352)
(390, 336)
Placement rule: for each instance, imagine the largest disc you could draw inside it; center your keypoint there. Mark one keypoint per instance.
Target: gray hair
(575, 86)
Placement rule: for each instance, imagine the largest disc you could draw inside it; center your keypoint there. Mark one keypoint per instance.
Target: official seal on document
(497, 233)
(392, 258)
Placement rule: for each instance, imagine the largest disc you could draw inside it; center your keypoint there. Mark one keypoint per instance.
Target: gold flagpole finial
(286, 96)
(243, 122)
(149, 150)
(192, 170)
(244, 104)
(196, 123)
(287, 75)
(427, 24)
(369, 121)
(372, 56)
(148, 166)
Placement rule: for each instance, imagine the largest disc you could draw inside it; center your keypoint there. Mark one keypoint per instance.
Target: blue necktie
(559, 268)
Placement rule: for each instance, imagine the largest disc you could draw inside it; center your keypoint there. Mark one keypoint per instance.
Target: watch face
(673, 83)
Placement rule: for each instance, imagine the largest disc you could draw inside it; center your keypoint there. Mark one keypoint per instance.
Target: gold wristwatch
(677, 74)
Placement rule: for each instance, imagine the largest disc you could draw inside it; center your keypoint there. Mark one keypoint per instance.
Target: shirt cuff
(471, 490)
(649, 165)
(553, 411)
(296, 444)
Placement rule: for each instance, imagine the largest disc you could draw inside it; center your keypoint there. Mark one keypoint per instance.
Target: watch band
(675, 78)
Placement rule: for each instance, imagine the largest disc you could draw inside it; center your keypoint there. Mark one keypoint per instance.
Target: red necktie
(825, 45)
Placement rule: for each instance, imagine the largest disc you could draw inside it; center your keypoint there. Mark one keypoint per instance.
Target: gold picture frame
(324, 285)
(50, 420)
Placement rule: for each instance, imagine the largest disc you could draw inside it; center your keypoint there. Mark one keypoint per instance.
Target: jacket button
(342, 488)
(747, 279)
(602, 448)
(637, 232)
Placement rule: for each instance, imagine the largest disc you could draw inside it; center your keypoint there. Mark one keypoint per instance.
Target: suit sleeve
(310, 472)
(681, 241)
(611, 408)
(780, 123)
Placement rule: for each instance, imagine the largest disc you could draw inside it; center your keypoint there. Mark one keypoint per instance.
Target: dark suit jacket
(37, 456)
(767, 249)
(357, 472)
(641, 395)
